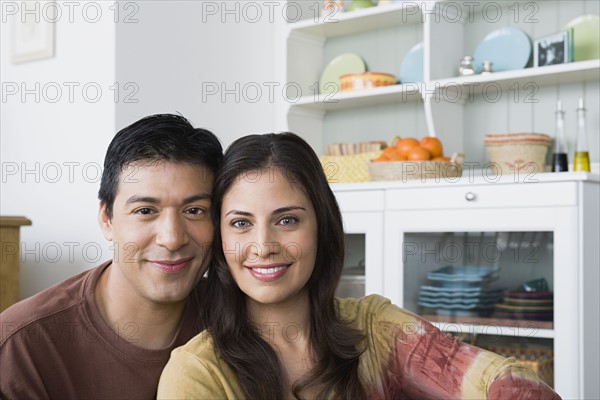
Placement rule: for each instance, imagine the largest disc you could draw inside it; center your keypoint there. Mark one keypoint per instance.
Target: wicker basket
(347, 169)
(406, 170)
(518, 152)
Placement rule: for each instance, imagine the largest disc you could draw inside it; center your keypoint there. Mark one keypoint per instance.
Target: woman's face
(269, 233)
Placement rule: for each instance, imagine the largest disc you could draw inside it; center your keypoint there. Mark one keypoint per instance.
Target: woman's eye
(241, 224)
(288, 221)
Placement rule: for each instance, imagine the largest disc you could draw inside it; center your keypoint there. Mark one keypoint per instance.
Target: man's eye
(195, 210)
(144, 211)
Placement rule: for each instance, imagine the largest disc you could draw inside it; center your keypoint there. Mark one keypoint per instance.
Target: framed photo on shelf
(552, 49)
(33, 35)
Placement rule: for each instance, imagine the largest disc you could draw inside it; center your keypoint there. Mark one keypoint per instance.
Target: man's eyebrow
(155, 200)
(142, 199)
(197, 197)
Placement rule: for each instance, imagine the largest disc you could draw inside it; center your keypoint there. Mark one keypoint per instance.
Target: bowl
(359, 4)
(366, 80)
(517, 152)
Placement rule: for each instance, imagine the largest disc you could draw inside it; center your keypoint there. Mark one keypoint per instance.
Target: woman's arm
(424, 362)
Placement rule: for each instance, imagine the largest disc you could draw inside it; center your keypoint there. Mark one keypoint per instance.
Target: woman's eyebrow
(238, 212)
(287, 209)
(280, 210)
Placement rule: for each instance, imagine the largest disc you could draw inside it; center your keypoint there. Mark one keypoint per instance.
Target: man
(108, 332)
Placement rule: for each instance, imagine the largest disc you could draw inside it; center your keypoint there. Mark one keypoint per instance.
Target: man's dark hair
(157, 138)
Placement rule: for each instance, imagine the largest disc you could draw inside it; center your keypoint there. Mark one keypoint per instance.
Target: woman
(276, 330)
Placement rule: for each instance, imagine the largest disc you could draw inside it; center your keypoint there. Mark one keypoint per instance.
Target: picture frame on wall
(551, 50)
(33, 35)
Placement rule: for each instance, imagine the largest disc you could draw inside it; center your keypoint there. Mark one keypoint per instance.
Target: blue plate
(456, 273)
(507, 48)
(411, 69)
(444, 306)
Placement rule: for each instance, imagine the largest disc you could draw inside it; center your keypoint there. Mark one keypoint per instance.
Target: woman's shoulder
(196, 371)
(351, 309)
(373, 309)
(200, 345)
(356, 306)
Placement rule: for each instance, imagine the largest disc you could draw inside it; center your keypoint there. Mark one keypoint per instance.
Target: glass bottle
(466, 66)
(559, 156)
(581, 162)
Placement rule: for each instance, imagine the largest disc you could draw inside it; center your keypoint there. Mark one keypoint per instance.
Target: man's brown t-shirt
(56, 345)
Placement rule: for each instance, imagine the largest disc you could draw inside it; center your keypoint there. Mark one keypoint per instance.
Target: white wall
(184, 56)
(158, 54)
(46, 135)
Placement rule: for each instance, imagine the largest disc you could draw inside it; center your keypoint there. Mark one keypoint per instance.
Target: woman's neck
(286, 327)
(282, 324)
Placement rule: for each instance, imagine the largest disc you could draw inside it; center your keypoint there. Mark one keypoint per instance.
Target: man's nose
(172, 231)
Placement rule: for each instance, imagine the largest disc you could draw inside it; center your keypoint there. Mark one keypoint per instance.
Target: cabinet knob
(470, 196)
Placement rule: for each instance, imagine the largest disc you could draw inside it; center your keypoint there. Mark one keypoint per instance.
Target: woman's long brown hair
(334, 344)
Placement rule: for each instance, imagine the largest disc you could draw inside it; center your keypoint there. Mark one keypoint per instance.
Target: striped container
(518, 152)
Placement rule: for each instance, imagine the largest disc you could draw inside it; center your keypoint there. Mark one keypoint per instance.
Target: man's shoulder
(51, 302)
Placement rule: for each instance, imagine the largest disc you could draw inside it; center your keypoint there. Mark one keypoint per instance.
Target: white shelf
(358, 21)
(363, 98)
(582, 71)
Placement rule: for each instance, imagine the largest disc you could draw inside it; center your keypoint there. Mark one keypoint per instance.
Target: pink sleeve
(425, 363)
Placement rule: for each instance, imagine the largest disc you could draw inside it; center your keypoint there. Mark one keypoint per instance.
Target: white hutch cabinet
(546, 226)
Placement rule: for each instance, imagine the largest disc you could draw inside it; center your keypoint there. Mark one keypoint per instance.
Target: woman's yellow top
(405, 357)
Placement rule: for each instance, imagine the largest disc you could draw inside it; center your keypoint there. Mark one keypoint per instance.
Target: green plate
(586, 37)
(348, 63)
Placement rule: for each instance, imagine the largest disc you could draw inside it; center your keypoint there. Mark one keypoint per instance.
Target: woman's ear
(105, 222)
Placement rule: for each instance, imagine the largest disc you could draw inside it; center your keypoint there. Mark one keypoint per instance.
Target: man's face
(161, 230)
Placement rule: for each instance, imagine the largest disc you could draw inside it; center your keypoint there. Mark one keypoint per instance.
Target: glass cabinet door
(363, 264)
(505, 279)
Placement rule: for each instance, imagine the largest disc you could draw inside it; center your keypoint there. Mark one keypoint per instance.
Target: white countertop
(471, 177)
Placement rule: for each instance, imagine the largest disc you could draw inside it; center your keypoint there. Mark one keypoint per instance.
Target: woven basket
(406, 170)
(518, 152)
(347, 169)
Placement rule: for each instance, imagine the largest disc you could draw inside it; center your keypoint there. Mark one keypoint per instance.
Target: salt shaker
(466, 66)
(487, 68)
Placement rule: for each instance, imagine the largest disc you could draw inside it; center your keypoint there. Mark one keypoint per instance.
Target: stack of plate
(461, 291)
(537, 306)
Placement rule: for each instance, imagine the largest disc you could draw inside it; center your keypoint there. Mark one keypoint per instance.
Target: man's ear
(105, 222)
